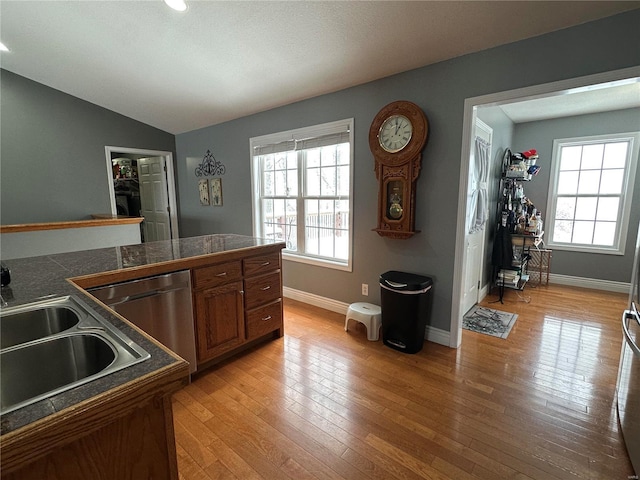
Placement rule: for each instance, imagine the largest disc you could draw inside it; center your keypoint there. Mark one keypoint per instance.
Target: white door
(475, 241)
(154, 199)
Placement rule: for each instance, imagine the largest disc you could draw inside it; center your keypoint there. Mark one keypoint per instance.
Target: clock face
(395, 133)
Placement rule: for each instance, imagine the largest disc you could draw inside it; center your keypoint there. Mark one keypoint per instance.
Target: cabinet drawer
(263, 320)
(215, 275)
(261, 264)
(261, 290)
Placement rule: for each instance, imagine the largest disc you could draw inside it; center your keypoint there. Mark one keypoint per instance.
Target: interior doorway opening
(557, 93)
(142, 184)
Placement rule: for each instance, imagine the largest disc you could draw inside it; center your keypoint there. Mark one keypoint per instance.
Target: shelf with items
(520, 166)
(517, 274)
(514, 279)
(520, 224)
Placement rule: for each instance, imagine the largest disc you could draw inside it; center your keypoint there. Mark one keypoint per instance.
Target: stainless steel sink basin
(29, 372)
(56, 345)
(29, 324)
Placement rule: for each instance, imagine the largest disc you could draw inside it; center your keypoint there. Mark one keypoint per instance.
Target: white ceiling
(592, 99)
(223, 60)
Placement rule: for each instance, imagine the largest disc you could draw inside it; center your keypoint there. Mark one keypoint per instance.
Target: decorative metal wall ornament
(210, 166)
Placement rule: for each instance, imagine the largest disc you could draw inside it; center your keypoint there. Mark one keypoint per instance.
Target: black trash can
(406, 306)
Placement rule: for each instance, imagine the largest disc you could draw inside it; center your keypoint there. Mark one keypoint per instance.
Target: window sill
(585, 249)
(317, 261)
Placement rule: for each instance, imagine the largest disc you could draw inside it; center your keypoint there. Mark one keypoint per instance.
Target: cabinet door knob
(223, 274)
(265, 264)
(268, 317)
(265, 288)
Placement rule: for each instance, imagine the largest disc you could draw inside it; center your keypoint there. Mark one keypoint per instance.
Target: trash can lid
(404, 281)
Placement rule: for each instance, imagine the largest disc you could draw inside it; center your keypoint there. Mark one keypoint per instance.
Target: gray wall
(540, 135)
(440, 90)
(52, 157)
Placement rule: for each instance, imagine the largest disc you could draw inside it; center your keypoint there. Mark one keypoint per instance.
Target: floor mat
(489, 321)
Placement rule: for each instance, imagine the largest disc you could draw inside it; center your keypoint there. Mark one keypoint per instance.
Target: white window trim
(623, 215)
(301, 133)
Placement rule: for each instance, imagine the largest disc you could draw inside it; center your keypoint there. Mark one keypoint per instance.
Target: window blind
(302, 143)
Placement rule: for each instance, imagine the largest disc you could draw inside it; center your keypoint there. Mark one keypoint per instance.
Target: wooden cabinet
(219, 309)
(263, 295)
(237, 302)
(219, 320)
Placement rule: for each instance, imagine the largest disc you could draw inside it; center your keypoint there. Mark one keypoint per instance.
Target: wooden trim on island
(161, 267)
(96, 221)
(118, 420)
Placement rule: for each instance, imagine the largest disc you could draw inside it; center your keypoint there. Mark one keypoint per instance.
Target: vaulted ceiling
(223, 60)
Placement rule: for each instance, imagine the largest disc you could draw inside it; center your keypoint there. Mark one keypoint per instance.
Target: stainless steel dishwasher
(161, 306)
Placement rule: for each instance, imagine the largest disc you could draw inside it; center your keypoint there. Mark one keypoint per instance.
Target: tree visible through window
(302, 191)
(590, 192)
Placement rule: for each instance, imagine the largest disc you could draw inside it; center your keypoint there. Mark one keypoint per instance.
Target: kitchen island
(121, 426)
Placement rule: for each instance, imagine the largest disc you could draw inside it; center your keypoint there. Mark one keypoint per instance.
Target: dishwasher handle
(630, 314)
(140, 296)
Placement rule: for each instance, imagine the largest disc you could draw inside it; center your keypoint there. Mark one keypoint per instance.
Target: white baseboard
(435, 335)
(484, 291)
(316, 300)
(594, 283)
(432, 334)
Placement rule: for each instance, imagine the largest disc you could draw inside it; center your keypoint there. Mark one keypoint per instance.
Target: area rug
(489, 321)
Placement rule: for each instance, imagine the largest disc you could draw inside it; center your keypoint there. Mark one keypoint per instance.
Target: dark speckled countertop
(36, 278)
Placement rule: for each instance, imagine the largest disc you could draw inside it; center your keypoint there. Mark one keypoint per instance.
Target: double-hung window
(302, 182)
(590, 192)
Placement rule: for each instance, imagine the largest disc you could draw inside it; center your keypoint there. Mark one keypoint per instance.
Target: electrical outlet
(365, 289)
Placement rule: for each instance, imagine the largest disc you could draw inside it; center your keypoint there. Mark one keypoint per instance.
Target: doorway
(557, 90)
(477, 213)
(142, 183)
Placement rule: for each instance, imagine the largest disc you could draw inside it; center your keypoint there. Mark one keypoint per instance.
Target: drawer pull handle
(223, 274)
(264, 289)
(266, 263)
(268, 317)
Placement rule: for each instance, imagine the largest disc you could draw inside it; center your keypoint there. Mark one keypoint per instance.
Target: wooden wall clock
(397, 136)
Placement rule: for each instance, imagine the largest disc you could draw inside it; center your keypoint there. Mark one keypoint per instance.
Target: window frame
(626, 197)
(256, 188)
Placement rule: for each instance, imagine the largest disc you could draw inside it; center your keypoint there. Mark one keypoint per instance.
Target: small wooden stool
(369, 315)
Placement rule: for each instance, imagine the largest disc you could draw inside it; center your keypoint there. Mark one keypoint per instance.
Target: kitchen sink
(55, 345)
(31, 324)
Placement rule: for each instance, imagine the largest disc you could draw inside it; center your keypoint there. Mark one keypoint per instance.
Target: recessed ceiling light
(179, 5)
(3, 47)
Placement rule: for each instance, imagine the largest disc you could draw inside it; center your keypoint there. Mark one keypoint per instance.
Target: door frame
(559, 88)
(171, 182)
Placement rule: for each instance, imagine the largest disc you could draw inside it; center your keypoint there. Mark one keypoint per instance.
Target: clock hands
(395, 133)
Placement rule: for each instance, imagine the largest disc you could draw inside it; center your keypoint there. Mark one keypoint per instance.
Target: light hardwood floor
(323, 403)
